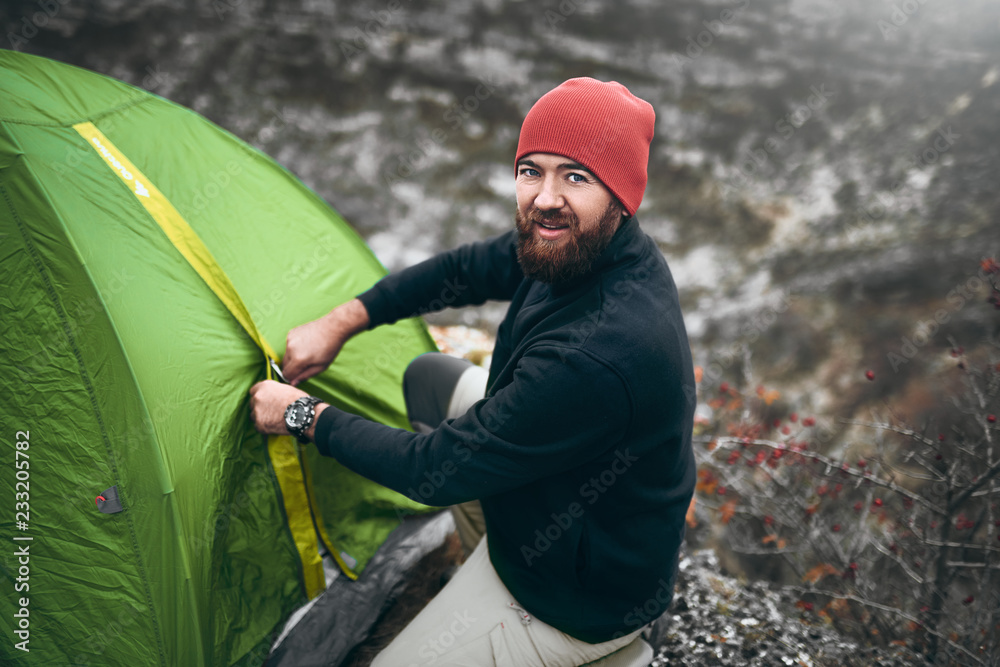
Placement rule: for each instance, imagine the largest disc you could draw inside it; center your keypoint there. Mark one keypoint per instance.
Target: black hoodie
(581, 450)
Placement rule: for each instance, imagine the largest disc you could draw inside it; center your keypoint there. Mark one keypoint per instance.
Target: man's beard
(563, 260)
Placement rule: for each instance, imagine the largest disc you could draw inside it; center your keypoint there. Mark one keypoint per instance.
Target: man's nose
(549, 197)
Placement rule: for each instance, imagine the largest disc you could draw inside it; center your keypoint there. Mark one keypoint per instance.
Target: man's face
(565, 217)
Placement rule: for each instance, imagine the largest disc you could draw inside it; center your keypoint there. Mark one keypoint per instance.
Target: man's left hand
(268, 400)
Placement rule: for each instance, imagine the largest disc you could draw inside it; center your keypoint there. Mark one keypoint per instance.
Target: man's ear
(621, 207)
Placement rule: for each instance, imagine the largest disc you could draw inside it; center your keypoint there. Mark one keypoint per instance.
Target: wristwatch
(299, 416)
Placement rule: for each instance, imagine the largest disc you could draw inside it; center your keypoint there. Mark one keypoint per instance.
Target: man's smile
(550, 231)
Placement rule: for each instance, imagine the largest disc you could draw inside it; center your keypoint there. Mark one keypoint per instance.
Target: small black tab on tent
(108, 502)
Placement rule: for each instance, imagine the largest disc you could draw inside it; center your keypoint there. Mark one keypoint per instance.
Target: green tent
(147, 260)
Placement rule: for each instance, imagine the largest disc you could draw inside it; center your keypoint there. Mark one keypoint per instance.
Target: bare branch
(978, 566)
(899, 561)
(887, 608)
(892, 486)
(751, 551)
(919, 437)
(910, 433)
(959, 545)
(983, 480)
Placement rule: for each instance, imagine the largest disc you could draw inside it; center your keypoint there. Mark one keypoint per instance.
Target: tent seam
(100, 114)
(85, 376)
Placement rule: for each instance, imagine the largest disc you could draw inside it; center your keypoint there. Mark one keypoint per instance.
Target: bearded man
(569, 464)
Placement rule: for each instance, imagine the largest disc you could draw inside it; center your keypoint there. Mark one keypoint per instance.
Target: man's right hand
(312, 347)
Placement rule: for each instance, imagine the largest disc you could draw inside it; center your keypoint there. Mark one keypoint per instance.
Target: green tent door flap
(158, 527)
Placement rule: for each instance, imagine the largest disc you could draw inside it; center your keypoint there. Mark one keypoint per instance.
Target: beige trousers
(475, 622)
(471, 387)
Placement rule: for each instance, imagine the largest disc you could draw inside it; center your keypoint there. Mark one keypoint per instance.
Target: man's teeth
(549, 226)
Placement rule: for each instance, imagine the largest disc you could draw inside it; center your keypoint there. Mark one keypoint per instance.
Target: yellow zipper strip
(291, 471)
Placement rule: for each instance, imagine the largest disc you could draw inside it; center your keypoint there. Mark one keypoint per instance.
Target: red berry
(786, 430)
(938, 457)
(794, 417)
(808, 606)
(862, 463)
(878, 502)
(808, 421)
(768, 519)
(777, 423)
(991, 419)
(870, 375)
(724, 387)
(858, 506)
(941, 437)
(836, 527)
(721, 490)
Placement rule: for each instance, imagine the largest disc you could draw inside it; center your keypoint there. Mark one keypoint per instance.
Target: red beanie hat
(602, 126)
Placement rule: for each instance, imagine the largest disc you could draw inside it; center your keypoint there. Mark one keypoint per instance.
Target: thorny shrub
(898, 545)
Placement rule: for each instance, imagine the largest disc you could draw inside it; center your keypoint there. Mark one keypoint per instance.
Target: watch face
(296, 415)
(299, 415)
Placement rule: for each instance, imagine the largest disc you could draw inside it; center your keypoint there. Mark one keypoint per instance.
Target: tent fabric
(285, 460)
(128, 371)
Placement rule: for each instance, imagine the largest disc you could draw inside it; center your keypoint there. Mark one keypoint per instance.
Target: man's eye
(577, 178)
(528, 171)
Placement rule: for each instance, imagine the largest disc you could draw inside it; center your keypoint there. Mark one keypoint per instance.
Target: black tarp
(343, 615)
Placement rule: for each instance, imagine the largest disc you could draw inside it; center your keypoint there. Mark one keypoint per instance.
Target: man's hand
(313, 346)
(268, 400)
